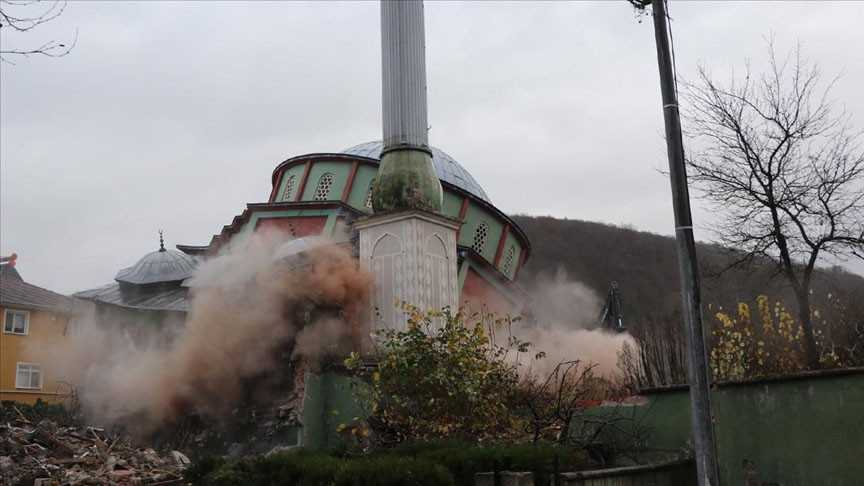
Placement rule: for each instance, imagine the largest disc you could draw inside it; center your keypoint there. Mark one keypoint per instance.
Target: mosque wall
(297, 173)
(453, 201)
(473, 218)
(297, 225)
(339, 171)
(360, 188)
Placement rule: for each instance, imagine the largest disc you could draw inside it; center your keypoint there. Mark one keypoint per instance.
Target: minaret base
(412, 256)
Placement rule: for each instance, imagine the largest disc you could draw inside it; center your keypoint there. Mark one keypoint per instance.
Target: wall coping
(626, 470)
(759, 380)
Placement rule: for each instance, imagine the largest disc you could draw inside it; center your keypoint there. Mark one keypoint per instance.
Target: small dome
(159, 266)
(297, 246)
(447, 168)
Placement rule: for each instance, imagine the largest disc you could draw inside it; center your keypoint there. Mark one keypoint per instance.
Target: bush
(464, 459)
(444, 375)
(301, 467)
(390, 470)
(36, 412)
(416, 463)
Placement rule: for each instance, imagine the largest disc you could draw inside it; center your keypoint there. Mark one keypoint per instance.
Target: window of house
(16, 321)
(29, 375)
(480, 235)
(289, 189)
(369, 195)
(324, 185)
(508, 262)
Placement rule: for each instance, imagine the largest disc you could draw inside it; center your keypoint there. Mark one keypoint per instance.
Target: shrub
(444, 375)
(464, 459)
(301, 467)
(40, 410)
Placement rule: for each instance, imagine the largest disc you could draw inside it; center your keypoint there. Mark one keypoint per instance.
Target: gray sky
(172, 115)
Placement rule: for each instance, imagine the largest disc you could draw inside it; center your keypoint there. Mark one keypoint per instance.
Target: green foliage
(464, 459)
(301, 467)
(390, 470)
(415, 463)
(442, 376)
(9, 411)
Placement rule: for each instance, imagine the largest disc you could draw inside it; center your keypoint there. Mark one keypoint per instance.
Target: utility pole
(701, 418)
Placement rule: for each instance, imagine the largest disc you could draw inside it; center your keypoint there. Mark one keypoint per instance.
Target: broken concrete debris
(44, 454)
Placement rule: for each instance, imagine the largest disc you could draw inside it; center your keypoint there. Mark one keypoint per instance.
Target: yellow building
(31, 315)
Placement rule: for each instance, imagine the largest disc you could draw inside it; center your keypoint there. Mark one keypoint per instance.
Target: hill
(646, 268)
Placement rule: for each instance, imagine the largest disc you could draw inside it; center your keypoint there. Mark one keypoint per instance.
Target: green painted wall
(452, 204)
(357, 196)
(511, 241)
(328, 402)
(340, 171)
(297, 172)
(473, 217)
(803, 431)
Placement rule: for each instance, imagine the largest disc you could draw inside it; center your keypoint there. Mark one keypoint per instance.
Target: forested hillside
(645, 267)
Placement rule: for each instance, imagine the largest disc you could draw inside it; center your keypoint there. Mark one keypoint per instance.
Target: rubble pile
(44, 454)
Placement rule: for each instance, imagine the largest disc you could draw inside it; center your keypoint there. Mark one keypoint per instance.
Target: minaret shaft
(403, 56)
(406, 179)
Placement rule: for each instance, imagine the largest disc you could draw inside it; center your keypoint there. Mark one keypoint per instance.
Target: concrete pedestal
(412, 255)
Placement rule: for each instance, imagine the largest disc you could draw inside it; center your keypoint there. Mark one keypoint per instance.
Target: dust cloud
(247, 311)
(565, 326)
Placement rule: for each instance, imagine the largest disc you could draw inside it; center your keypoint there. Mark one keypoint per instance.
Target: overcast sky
(173, 115)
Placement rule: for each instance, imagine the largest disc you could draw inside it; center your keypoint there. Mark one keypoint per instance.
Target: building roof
(16, 292)
(158, 266)
(175, 298)
(447, 168)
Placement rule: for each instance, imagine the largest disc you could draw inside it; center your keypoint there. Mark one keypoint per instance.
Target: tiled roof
(14, 291)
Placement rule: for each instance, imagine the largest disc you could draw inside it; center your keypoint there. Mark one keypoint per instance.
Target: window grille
(369, 194)
(16, 322)
(508, 262)
(480, 237)
(324, 185)
(29, 375)
(289, 188)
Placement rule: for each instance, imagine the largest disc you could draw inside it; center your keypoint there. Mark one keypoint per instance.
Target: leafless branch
(22, 17)
(783, 166)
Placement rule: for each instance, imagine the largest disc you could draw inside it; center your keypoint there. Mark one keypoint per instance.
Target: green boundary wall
(797, 429)
(329, 401)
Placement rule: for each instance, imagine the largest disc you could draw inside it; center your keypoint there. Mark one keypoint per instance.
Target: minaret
(406, 178)
(409, 246)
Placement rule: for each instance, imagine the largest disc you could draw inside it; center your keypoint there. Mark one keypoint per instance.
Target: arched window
(480, 237)
(369, 194)
(324, 185)
(289, 189)
(508, 262)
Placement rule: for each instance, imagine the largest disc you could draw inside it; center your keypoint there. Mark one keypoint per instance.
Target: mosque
(413, 216)
(323, 195)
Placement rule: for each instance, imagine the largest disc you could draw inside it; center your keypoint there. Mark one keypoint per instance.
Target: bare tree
(784, 168)
(554, 403)
(22, 16)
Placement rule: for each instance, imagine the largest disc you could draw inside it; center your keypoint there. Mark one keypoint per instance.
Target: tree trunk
(811, 353)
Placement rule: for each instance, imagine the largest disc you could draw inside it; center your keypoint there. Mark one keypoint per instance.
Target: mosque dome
(447, 168)
(159, 266)
(297, 246)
